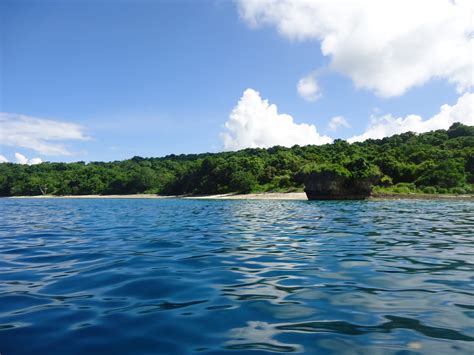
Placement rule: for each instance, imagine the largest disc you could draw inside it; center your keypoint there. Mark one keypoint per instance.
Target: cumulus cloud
(336, 122)
(387, 46)
(41, 135)
(308, 88)
(379, 127)
(35, 161)
(21, 159)
(3, 159)
(255, 123)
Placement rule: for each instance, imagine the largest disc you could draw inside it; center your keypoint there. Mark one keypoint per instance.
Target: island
(437, 163)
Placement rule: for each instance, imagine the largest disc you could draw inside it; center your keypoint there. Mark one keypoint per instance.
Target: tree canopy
(436, 162)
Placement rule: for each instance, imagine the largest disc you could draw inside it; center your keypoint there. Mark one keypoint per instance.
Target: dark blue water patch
(241, 277)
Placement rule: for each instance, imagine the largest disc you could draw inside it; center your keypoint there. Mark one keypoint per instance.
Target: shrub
(282, 181)
(457, 191)
(386, 181)
(333, 168)
(469, 189)
(429, 190)
(401, 190)
(410, 187)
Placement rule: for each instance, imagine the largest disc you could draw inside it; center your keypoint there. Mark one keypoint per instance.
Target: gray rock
(332, 186)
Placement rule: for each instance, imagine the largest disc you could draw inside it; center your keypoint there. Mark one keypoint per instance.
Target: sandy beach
(256, 196)
(94, 196)
(301, 196)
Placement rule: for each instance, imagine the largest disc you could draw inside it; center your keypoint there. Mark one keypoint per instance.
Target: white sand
(259, 196)
(95, 196)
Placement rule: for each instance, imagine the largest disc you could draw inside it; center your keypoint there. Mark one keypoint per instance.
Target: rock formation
(329, 185)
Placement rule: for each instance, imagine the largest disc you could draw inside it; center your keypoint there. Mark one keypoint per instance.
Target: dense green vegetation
(435, 162)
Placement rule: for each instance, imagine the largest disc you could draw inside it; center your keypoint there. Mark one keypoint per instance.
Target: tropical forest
(436, 162)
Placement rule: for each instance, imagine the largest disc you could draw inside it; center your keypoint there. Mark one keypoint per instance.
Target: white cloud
(387, 46)
(21, 159)
(337, 122)
(3, 159)
(35, 161)
(256, 123)
(41, 135)
(379, 127)
(308, 88)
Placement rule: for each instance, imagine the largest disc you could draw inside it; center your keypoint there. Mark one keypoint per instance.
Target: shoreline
(417, 196)
(229, 196)
(295, 196)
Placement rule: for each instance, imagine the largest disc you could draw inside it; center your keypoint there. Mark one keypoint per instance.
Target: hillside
(440, 161)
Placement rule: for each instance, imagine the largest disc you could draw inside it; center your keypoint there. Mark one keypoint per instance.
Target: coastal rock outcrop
(328, 185)
(352, 181)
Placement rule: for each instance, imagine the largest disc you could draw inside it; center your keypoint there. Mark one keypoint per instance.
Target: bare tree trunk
(44, 189)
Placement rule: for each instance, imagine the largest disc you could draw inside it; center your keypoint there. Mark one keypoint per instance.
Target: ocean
(175, 276)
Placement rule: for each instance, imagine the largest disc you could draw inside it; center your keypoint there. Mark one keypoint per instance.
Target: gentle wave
(185, 276)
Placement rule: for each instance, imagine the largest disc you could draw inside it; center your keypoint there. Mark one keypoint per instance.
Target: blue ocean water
(137, 276)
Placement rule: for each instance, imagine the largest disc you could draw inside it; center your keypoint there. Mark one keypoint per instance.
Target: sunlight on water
(215, 276)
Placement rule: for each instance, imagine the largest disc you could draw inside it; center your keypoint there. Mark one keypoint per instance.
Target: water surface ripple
(242, 277)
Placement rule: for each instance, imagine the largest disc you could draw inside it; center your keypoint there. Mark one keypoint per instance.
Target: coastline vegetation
(437, 162)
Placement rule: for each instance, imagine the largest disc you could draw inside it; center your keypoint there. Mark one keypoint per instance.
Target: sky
(103, 80)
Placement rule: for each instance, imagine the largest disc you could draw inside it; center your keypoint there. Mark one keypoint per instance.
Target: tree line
(440, 161)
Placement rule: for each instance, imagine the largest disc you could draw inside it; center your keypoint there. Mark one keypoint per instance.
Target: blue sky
(152, 78)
